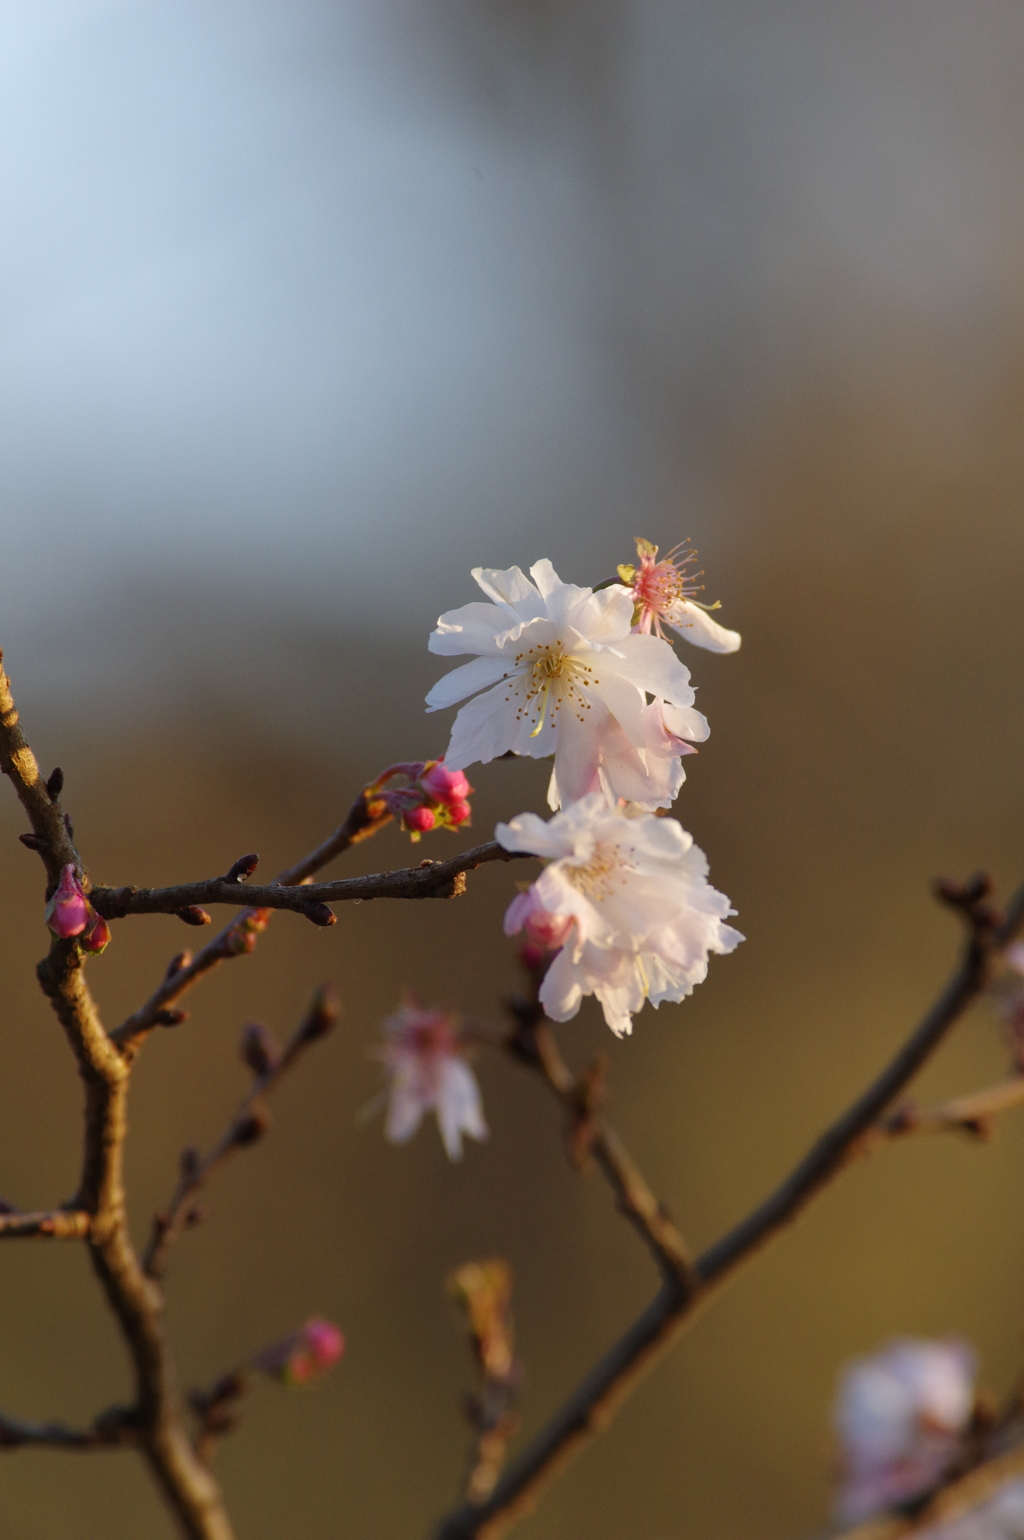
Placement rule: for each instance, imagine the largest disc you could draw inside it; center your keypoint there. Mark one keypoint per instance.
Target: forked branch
(593, 1403)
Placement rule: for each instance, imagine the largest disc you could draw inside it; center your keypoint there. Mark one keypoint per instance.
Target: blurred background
(306, 309)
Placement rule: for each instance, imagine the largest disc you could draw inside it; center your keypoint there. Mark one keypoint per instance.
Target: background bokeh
(308, 308)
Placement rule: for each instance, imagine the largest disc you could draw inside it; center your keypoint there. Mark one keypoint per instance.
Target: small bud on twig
(177, 963)
(252, 1127)
(259, 1048)
(242, 869)
(172, 1016)
(55, 783)
(319, 914)
(195, 1216)
(31, 841)
(69, 826)
(323, 1013)
(191, 1160)
(193, 915)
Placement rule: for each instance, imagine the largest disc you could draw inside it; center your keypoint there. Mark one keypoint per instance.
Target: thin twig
(112, 1430)
(59, 1224)
(246, 1127)
(971, 1114)
(431, 879)
(591, 1134)
(592, 1405)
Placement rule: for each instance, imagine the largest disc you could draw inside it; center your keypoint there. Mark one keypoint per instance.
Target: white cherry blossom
(900, 1415)
(428, 1072)
(665, 591)
(559, 670)
(644, 916)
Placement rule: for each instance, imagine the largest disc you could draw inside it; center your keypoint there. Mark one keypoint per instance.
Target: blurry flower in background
(665, 591)
(900, 1416)
(562, 672)
(428, 1071)
(645, 918)
(303, 1355)
(1008, 993)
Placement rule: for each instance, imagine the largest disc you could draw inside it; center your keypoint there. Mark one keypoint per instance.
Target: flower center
(597, 877)
(659, 584)
(549, 673)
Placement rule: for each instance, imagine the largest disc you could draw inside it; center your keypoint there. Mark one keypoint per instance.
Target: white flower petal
(459, 1106)
(561, 990)
(512, 589)
(651, 665)
(466, 680)
(696, 625)
(530, 833)
(476, 627)
(405, 1104)
(484, 728)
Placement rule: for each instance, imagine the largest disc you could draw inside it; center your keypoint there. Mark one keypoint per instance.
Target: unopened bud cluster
(70, 914)
(432, 796)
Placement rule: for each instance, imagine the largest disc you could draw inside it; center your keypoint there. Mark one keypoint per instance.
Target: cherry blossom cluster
(901, 1416)
(428, 796)
(623, 909)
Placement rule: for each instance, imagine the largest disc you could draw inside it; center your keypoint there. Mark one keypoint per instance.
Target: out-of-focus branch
(247, 1126)
(61, 1224)
(112, 1430)
(431, 879)
(589, 1133)
(592, 1405)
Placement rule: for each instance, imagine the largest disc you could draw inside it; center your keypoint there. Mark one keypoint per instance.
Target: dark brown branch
(431, 879)
(112, 1430)
(246, 1127)
(238, 938)
(41, 801)
(592, 1405)
(55, 1224)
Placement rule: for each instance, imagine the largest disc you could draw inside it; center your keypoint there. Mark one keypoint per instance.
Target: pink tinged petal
(685, 722)
(459, 1106)
(650, 785)
(475, 627)
(518, 912)
(651, 665)
(531, 834)
(68, 911)
(467, 680)
(561, 990)
(512, 589)
(577, 755)
(696, 625)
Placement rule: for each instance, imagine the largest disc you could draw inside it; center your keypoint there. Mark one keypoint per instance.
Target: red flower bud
(444, 785)
(419, 819)
(459, 812)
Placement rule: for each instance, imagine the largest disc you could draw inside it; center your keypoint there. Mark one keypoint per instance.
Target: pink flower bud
(304, 1355)
(526, 913)
(67, 913)
(419, 819)
(96, 936)
(445, 785)
(459, 812)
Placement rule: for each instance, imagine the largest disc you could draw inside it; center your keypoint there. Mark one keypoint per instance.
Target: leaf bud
(258, 1048)
(319, 914)
(193, 915)
(322, 1015)
(242, 869)
(55, 783)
